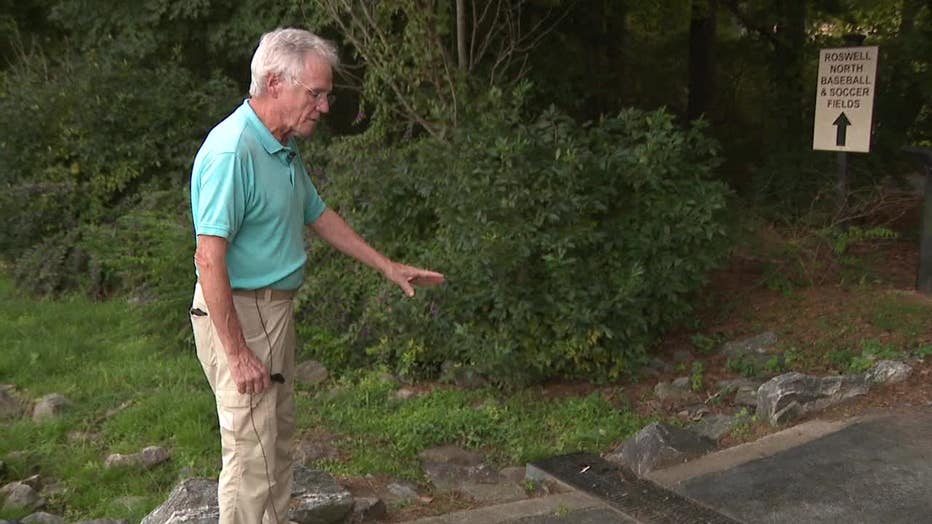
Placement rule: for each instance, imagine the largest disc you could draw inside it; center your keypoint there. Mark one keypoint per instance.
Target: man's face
(305, 102)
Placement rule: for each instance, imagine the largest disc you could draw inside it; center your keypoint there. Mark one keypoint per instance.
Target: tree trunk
(461, 34)
(701, 64)
(788, 68)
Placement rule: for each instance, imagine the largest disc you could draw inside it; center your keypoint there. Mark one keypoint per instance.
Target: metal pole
(924, 277)
(842, 185)
(924, 280)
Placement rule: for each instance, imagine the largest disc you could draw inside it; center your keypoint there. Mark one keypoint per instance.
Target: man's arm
(336, 232)
(249, 373)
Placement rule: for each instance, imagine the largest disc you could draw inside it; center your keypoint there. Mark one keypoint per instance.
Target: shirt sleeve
(221, 202)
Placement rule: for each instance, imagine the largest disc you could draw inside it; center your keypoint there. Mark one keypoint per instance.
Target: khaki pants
(256, 431)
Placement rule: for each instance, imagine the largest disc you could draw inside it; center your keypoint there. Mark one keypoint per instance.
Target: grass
(92, 353)
(95, 354)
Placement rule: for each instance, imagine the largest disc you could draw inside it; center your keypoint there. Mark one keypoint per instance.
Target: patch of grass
(744, 421)
(901, 315)
(706, 344)
(383, 434)
(697, 376)
(93, 354)
(923, 352)
(743, 366)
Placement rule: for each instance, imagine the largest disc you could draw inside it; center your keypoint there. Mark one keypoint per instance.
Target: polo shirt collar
(267, 139)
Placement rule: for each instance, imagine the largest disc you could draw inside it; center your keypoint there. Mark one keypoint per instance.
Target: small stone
(681, 383)
(311, 373)
(756, 345)
(405, 393)
(152, 456)
(50, 406)
(403, 490)
(119, 460)
(714, 426)
(367, 509)
(667, 392)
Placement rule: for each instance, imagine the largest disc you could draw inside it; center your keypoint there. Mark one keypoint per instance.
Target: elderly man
(251, 197)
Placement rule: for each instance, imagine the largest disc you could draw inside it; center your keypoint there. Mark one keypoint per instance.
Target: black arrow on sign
(841, 133)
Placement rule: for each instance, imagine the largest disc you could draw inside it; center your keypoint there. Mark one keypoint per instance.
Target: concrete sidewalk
(873, 469)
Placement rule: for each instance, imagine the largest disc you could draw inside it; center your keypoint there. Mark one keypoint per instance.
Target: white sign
(845, 99)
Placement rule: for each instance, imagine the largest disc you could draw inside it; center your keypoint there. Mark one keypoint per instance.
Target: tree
(701, 58)
(427, 61)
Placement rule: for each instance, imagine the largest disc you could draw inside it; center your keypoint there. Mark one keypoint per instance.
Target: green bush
(568, 248)
(145, 254)
(84, 136)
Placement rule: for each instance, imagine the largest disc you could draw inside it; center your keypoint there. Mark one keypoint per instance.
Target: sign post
(845, 106)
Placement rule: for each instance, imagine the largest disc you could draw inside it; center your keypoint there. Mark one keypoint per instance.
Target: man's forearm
(215, 284)
(336, 232)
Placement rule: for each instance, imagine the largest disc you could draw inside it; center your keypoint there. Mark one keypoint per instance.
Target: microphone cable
(268, 476)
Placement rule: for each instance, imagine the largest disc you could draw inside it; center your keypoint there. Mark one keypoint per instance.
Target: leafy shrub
(83, 136)
(568, 249)
(145, 253)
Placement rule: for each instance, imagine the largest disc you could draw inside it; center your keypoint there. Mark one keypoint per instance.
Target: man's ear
(274, 84)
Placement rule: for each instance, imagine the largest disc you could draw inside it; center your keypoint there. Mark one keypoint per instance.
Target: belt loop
(267, 292)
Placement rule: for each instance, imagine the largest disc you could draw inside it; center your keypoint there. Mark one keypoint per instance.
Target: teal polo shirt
(255, 192)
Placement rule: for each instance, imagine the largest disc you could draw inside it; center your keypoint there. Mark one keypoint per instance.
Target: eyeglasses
(317, 95)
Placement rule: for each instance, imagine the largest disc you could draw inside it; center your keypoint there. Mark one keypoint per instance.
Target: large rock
(791, 395)
(20, 496)
(660, 445)
(714, 427)
(193, 501)
(42, 517)
(316, 498)
(889, 372)
(50, 406)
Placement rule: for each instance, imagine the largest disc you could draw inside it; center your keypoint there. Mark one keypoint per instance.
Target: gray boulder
(660, 445)
(21, 496)
(193, 501)
(791, 395)
(889, 372)
(42, 517)
(714, 427)
(316, 498)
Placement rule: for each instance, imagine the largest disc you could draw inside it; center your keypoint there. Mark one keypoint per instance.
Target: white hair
(283, 52)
